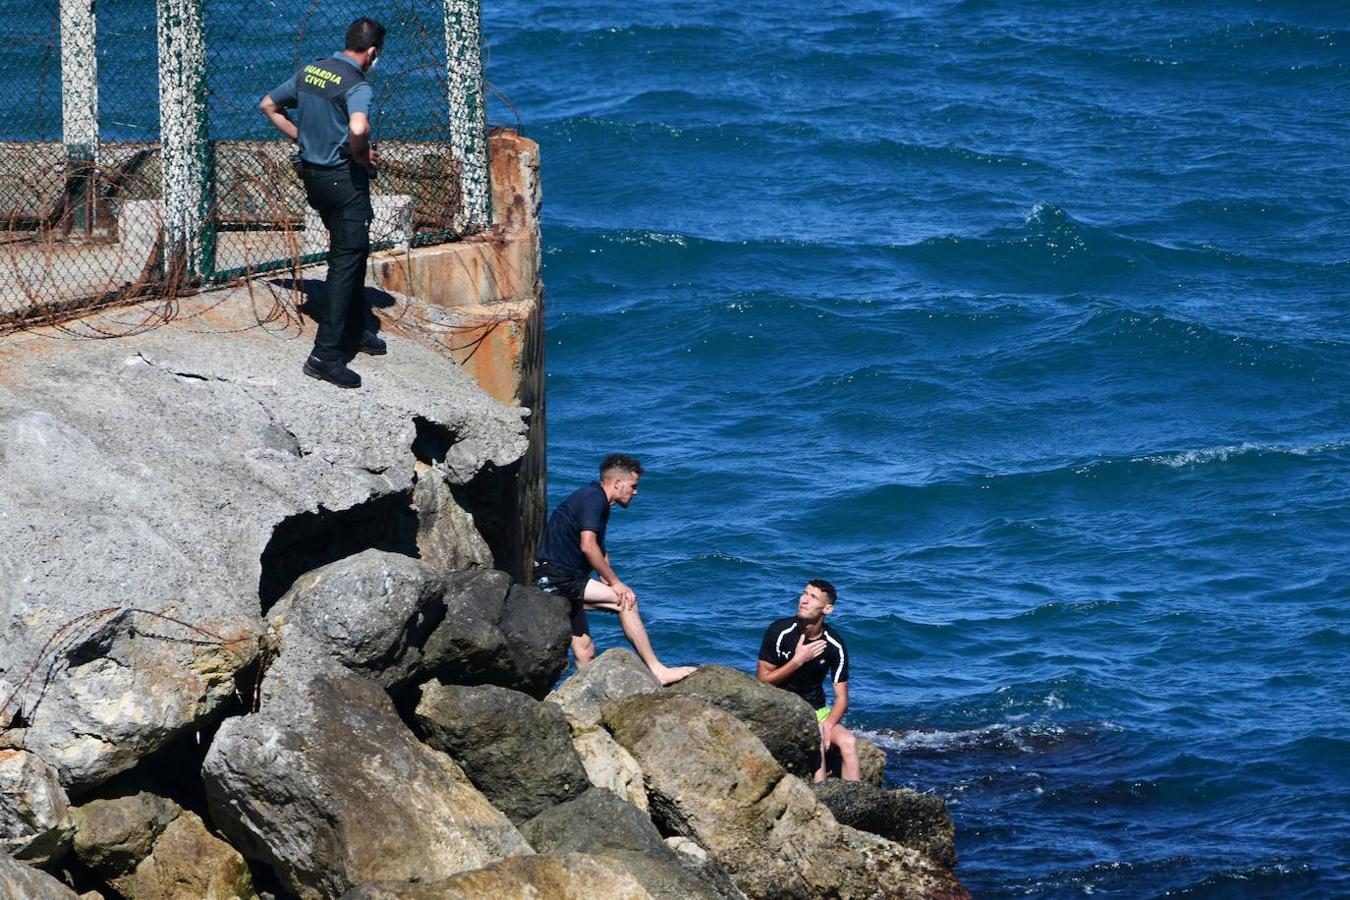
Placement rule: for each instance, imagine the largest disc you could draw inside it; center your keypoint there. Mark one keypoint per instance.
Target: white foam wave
(1204, 455)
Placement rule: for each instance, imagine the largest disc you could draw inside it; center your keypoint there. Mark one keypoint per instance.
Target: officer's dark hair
(825, 588)
(620, 462)
(363, 34)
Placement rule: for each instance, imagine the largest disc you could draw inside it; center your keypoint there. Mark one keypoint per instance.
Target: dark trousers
(341, 197)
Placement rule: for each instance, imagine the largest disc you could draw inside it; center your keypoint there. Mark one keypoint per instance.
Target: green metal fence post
(468, 116)
(184, 146)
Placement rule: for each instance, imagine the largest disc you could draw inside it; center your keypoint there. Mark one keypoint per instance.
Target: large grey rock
(22, 882)
(35, 820)
(494, 632)
(326, 785)
(916, 820)
(124, 684)
(709, 778)
(608, 765)
(601, 823)
(114, 832)
(614, 674)
(538, 628)
(397, 620)
(595, 822)
(781, 719)
(514, 749)
(182, 469)
(372, 612)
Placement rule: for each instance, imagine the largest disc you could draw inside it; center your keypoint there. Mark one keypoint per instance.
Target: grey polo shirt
(323, 105)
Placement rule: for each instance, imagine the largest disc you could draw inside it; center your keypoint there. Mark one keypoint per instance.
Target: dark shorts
(569, 585)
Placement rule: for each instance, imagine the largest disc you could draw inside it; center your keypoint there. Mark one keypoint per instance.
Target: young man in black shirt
(797, 653)
(574, 545)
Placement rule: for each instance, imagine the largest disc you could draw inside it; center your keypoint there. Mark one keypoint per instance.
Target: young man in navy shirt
(574, 545)
(797, 653)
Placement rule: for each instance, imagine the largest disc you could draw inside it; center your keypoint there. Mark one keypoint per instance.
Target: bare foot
(671, 674)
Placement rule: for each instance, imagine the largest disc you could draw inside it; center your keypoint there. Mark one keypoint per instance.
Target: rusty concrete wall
(490, 287)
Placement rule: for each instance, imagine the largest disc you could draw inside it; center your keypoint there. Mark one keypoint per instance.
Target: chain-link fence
(134, 159)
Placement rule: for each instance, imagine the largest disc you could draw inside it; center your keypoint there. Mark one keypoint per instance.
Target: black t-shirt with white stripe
(780, 642)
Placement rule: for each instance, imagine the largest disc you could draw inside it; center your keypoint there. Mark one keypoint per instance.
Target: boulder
(124, 684)
(494, 632)
(397, 620)
(447, 538)
(114, 832)
(327, 786)
(574, 876)
(191, 469)
(188, 861)
(596, 822)
(514, 749)
(372, 612)
(538, 630)
(671, 876)
(909, 818)
(709, 778)
(35, 821)
(782, 720)
(614, 674)
(23, 882)
(608, 765)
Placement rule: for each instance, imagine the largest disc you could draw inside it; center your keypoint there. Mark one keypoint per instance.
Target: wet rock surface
(909, 818)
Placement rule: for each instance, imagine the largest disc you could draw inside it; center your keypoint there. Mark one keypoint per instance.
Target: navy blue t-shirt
(586, 510)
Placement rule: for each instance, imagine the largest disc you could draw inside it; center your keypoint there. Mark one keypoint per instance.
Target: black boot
(371, 344)
(334, 373)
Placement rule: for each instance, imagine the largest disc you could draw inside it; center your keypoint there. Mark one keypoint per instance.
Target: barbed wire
(83, 628)
(81, 236)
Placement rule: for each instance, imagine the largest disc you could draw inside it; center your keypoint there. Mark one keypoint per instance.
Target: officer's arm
(277, 116)
(358, 136)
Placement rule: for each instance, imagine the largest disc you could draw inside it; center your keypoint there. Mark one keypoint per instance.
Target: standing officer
(331, 100)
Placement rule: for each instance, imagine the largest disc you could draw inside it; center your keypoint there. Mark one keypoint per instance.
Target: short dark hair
(365, 33)
(622, 462)
(825, 588)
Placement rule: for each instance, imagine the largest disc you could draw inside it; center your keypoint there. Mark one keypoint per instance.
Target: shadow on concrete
(316, 301)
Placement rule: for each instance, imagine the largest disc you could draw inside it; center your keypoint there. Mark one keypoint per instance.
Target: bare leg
(849, 767)
(583, 649)
(599, 596)
(842, 740)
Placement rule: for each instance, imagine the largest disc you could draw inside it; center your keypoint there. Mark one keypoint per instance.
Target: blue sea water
(1023, 322)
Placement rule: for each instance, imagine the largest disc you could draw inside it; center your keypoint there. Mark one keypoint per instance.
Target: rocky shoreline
(255, 645)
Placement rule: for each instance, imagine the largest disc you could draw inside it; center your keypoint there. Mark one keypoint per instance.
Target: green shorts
(822, 714)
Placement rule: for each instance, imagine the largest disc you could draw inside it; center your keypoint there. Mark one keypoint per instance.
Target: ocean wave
(1200, 456)
(1000, 737)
